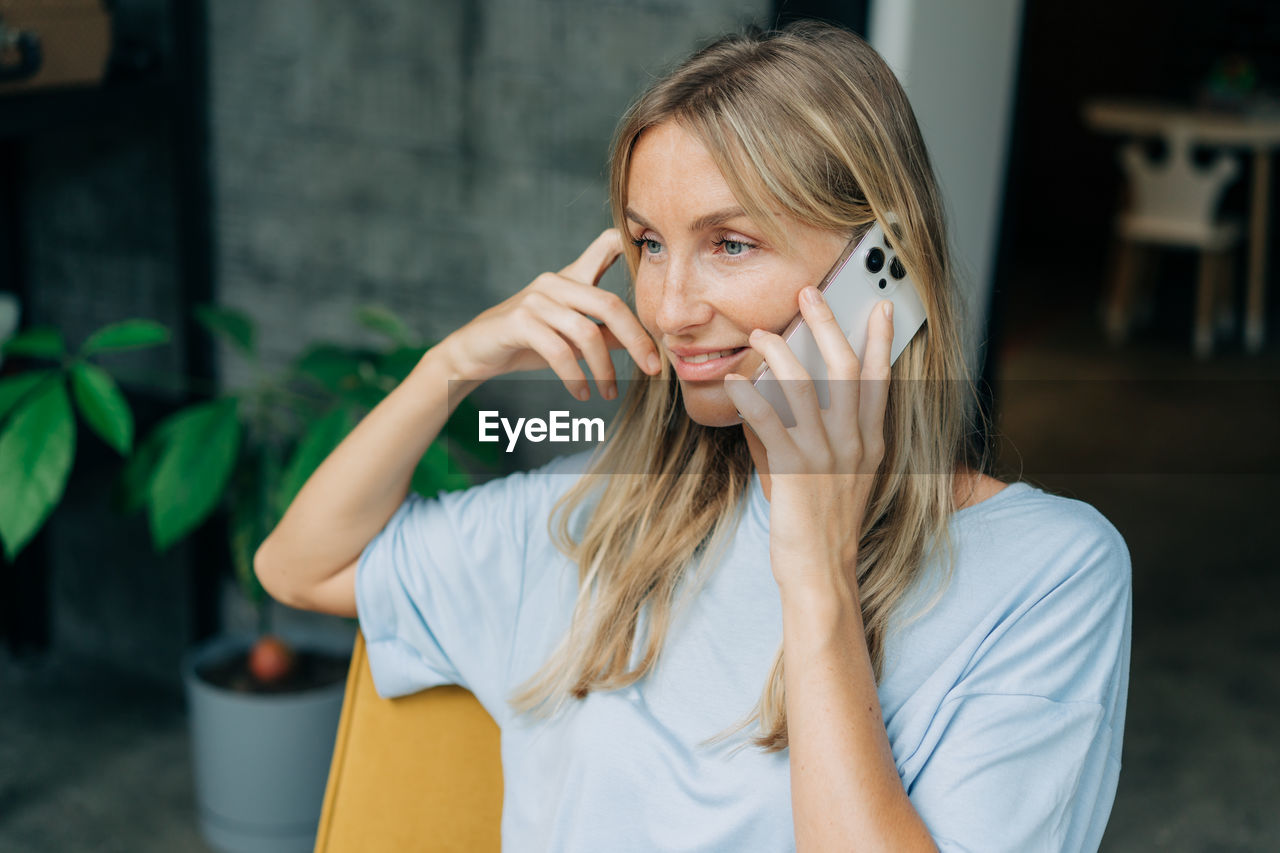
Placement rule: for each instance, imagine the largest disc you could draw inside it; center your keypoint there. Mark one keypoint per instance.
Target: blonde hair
(811, 122)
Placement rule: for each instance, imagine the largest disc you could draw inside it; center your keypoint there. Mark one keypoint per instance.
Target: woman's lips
(704, 366)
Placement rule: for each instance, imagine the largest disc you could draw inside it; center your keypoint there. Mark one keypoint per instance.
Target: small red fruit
(270, 660)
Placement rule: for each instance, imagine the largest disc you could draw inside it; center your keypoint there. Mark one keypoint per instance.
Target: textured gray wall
(430, 157)
(433, 157)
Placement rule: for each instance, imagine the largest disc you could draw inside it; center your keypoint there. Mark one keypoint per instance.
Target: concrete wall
(433, 157)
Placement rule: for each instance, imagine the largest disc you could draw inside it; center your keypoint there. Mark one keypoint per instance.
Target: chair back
(1174, 200)
(421, 773)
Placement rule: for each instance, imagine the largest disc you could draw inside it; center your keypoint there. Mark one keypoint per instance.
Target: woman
(842, 635)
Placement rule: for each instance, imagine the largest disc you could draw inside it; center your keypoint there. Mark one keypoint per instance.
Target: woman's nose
(683, 305)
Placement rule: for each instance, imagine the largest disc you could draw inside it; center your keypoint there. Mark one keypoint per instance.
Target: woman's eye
(733, 247)
(647, 246)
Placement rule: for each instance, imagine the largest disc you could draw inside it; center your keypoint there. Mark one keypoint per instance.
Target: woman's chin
(709, 407)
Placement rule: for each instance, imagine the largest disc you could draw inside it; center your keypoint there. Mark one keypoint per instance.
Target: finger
(610, 339)
(842, 362)
(596, 260)
(876, 367)
(760, 416)
(585, 335)
(611, 310)
(560, 357)
(797, 387)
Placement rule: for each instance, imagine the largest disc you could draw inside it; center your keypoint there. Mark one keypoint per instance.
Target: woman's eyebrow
(706, 220)
(637, 218)
(717, 217)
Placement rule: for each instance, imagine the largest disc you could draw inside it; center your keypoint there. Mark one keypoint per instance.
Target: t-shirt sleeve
(438, 590)
(1024, 754)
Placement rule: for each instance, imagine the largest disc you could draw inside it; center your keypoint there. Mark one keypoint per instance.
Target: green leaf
(364, 396)
(38, 341)
(350, 373)
(192, 473)
(230, 324)
(36, 451)
(125, 335)
(435, 473)
(244, 544)
(458, 468)
(314, 447)
(333, 367)
(14, 388)
(382, 320)
(248, 528)
(133, 485)
(399, 363)
(272, 472)
(103, 406)
(460, 431)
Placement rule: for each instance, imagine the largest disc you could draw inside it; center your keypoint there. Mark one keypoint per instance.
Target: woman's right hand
(548, 324)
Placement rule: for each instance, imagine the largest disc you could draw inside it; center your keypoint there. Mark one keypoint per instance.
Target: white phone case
(852, 288)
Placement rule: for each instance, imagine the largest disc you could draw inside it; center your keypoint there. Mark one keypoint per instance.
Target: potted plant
(264, 711)
(37, 418)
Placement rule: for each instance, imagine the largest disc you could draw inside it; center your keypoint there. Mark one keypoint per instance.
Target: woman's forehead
(672, 173)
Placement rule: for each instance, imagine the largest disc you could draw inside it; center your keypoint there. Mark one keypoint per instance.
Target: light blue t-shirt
(1004, 702)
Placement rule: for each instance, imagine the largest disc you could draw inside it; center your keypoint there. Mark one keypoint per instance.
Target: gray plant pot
(260, 761)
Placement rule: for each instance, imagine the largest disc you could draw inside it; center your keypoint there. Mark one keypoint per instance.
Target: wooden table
(1256, 132)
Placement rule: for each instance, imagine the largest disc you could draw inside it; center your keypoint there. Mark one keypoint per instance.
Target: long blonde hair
(811, 122)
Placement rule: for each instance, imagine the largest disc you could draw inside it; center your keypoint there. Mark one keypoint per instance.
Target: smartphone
(865, 273)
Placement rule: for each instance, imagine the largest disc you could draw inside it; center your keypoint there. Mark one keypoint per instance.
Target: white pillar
(958, 63)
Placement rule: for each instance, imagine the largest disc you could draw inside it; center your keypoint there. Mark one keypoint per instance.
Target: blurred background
(344, 183)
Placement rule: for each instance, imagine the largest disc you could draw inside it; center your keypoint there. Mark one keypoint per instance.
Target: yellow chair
(418, 773)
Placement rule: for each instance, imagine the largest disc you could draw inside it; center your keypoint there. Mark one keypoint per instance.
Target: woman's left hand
(822, 470)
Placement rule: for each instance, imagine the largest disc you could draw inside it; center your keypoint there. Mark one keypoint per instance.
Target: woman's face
(707, 276)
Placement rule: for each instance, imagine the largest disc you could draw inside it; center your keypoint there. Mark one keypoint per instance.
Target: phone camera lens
(875, 260)
(883, 284)
(896, 269)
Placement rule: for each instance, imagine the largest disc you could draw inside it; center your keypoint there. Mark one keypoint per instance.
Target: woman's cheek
(764, 299)
(750, 294)
(646, 303)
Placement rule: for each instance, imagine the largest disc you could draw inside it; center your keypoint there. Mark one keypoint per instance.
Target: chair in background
(1174, 203)
(420, 773)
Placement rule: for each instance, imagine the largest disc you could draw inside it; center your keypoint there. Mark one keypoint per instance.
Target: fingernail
(583, 394)
(655, 363)
(810, 295)
(610, 391)
(887, 308)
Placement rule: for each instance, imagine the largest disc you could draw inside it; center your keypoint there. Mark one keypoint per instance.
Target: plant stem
(264, 617)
